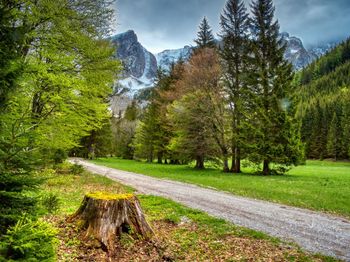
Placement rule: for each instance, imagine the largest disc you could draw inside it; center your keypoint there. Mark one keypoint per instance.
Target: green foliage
(29, 241)
(131, 112)
(59, 156)
(154, 131)
(51, 202)
(56, 72)
(273, 132)
(326, 64)
(194, 139)
(323, 104)
(205, 37)
(76, 169)
(234, 23)
(333, 140)
(98, 144)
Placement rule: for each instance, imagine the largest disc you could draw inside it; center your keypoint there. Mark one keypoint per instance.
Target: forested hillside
(323, 95)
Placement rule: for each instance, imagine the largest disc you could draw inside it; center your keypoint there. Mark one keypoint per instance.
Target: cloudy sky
(169, 24)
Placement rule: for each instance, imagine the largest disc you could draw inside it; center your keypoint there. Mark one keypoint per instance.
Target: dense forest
(323, 104)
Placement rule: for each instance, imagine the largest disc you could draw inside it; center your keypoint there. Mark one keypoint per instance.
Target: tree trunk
(266, 169)
(105, 216)
(226, 168)
(233, 163)
(199, 162)
(150, 157)
(160, 158)
(237, 168)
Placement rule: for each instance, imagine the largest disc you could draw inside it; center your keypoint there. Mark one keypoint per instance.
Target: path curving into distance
(313, 231)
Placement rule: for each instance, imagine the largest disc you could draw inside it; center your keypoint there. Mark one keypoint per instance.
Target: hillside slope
(323, 95)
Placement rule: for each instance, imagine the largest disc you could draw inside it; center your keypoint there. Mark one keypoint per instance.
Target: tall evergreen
(334, 138)
(205, 37)
(276, 136)
(345, 127)
(234, 32)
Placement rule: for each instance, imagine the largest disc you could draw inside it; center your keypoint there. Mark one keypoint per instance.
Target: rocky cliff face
(296, 52)
(140, 66)
(167, 57)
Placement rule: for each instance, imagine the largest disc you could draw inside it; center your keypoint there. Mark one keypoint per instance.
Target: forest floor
(182, 234)
(318, 185)
(316, 232)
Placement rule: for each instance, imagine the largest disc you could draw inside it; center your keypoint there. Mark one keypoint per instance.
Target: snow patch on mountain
(166, 58)
(140, 66)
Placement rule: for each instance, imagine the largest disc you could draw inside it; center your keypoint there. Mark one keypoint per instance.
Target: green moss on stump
(109, 196)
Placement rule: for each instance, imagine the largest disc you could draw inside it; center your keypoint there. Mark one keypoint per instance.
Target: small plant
(29, 241)
(76, 169)
(59, 156)
(51, 202)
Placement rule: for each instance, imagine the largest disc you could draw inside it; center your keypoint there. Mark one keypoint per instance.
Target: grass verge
(182, 234)
(318, 185)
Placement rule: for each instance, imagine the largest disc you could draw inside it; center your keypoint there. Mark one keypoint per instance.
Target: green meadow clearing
(318, 185)
(182, 234)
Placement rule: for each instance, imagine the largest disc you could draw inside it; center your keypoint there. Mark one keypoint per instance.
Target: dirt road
(315, 232)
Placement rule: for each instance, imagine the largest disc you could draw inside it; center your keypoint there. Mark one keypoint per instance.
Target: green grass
(318, 185)
(201, 238)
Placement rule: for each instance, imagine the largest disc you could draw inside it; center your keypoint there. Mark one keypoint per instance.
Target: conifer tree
(334, 138)
(205, 37)
(345, 127)
(234, 33)
(276, 136)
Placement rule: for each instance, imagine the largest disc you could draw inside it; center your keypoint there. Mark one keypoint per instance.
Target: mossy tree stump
(106, 216)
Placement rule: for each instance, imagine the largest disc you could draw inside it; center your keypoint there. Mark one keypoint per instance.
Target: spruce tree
(205, 37)
(234, 33)
(345, 127)
(334, 139)
(276, 136)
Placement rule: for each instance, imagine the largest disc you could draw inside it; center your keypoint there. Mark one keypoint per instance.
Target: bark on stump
(106, 216)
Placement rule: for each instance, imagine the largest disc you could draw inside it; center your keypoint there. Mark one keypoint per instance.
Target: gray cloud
(167, 24)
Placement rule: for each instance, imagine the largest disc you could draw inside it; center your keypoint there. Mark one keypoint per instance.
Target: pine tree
(334, 138)
(234, 33)
(205, 37)
(194, 139)
(345, 126)
(276, 136)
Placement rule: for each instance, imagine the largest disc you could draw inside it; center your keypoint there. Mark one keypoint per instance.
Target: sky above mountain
(170, 24)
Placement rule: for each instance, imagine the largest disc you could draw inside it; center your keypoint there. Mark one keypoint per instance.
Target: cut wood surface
(106, 216)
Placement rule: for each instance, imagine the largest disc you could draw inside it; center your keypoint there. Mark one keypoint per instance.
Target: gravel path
(316, 232)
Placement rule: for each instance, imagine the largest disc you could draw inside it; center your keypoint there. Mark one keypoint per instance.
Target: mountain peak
(140, 66)
(130, 34)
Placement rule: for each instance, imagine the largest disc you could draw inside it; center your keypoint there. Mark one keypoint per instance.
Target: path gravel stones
(314, 231)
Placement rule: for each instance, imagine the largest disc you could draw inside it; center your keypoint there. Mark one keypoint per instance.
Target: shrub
(51, 203)
(59, 156)
(76, 169)
(29, 241)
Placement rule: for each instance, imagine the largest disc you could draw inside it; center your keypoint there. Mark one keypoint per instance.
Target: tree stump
(106, 216)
